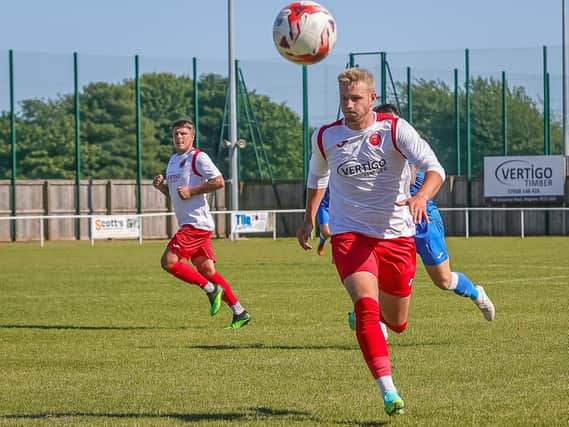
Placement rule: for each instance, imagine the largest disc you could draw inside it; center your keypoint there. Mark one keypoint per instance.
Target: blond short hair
(356, 75)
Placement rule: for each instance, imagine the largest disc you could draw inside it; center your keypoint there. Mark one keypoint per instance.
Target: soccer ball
(304, 32)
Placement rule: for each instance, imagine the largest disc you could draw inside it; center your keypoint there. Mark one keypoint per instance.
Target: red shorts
(190, 242)
(392, 261)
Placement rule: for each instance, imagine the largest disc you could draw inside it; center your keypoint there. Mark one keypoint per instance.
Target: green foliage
(46, 130)
(433, 116)
(102, 336)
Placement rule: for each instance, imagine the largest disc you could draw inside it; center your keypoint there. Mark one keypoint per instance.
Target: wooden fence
(107, 197)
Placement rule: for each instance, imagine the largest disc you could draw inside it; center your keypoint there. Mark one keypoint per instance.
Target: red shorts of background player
(392, 261)
(190, 243)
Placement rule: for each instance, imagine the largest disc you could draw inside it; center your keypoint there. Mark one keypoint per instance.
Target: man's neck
(181, 153)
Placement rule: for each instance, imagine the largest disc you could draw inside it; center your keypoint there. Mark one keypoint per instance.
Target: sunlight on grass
(101, 336)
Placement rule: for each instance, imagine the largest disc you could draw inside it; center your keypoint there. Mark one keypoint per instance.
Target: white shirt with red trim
(367, 170)
(188, 170)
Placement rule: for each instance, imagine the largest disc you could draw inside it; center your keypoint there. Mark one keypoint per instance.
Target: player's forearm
(207, 187)
(163, 188)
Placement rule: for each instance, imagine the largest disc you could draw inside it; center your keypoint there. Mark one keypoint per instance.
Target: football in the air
(304, 32)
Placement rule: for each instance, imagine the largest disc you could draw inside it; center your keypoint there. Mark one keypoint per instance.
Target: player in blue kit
(323, 218)
(431, 247)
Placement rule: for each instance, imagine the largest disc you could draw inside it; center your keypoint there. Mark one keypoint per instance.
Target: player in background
(323, 218)
(363, 159)
(190, 176)
(432, 248)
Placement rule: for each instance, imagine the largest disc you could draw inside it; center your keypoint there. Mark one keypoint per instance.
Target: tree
(433, 107)
(46, 130)
(46, 137)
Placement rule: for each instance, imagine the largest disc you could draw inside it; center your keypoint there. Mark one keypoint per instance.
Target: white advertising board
(115, 226)
(524, 178)
(250, 222)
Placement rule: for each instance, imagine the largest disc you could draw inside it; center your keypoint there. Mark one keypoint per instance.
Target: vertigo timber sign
(524, 178)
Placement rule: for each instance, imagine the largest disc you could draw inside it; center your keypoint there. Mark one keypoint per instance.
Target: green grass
(101, 336)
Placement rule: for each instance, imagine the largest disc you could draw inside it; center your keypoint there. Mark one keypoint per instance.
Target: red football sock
(188, 274)
(370, 338)
(228, 296)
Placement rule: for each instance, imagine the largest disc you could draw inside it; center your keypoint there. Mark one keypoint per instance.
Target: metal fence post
(138, 137)
(409, 96)
(196, 102)
(457, 122)
(505, 113)
(13, 144)
(41, 233)
(274, 225)
(76, 107)
(305, 125)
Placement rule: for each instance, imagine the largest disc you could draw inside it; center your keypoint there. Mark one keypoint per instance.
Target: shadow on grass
(269, 413)
(260, 414)
(253, 414)
(344, 347)
(391, 344)
(367, 423)
(84, 328)
(261, 346)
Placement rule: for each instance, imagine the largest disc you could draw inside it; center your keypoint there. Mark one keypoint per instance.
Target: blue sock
(465, 287)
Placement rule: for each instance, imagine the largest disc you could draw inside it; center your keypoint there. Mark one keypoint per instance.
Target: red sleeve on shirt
(320, 132)
(194, 160)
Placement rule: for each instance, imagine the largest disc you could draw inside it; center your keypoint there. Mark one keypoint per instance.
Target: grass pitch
(101, 336)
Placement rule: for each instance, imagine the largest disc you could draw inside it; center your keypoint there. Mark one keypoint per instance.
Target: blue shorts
(430, 240)
(322, 216)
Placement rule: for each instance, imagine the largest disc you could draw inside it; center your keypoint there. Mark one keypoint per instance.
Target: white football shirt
(188, 170)
(367, 171)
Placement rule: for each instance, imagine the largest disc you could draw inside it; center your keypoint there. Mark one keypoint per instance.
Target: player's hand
(158, 181)
(418, 208)
(184, 193)
(303, 235)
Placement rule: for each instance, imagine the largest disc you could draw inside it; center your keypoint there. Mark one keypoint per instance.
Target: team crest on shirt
(182, 163)
(375, 139)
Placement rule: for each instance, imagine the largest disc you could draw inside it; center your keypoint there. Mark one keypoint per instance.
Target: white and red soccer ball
(304, 32)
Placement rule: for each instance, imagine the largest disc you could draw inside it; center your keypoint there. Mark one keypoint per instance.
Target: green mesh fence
(429, 88)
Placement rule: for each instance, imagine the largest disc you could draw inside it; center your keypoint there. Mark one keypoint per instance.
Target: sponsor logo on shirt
(341, 144)
(173, 177)
(355, 167)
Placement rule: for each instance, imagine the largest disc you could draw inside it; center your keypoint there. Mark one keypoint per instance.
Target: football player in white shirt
(190, 176)
(431, 247)
(363, 158)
